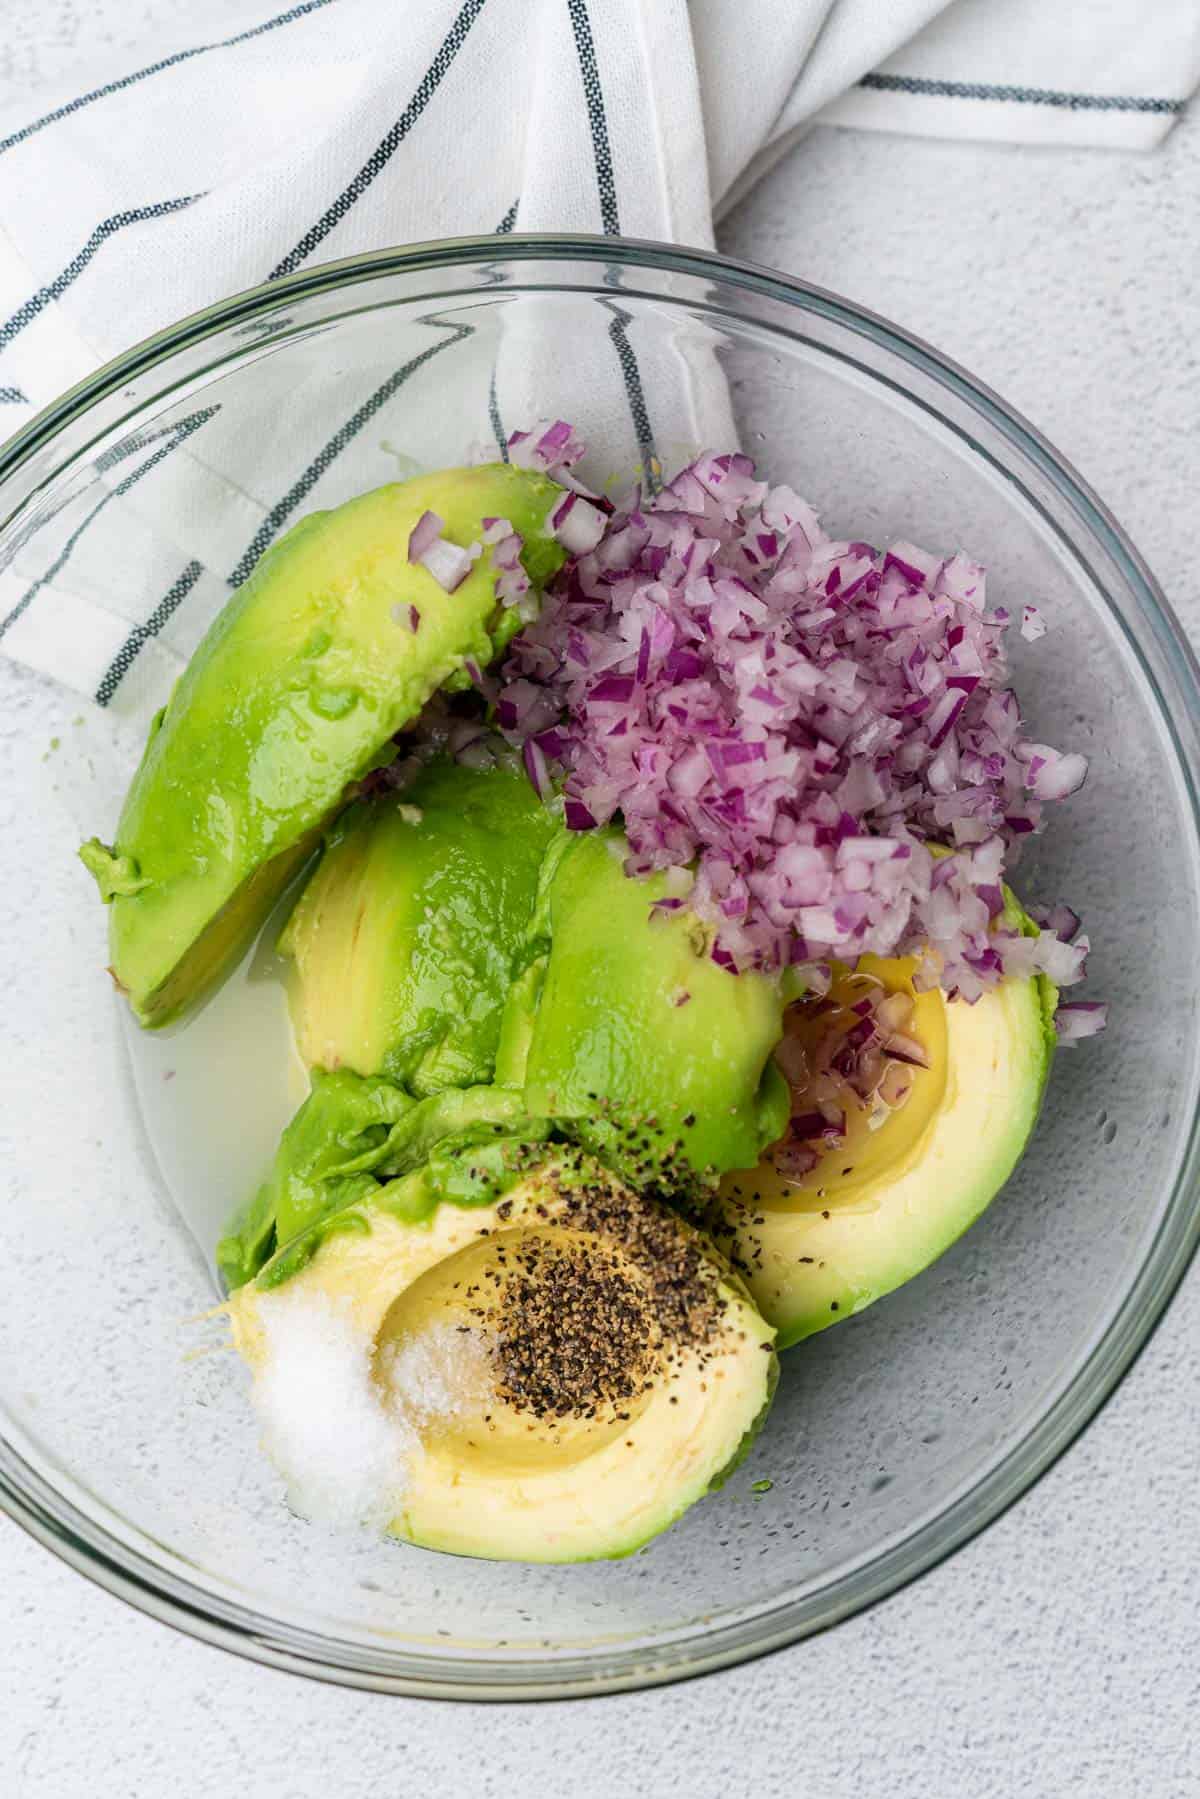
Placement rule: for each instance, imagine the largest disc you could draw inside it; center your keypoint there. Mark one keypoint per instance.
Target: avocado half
(405, 940)
(869, 1218)
(333, 645)
(642, 1386)
(624, 1026)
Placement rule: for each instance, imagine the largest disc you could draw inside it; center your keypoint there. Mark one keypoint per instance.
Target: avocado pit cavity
(855, 1058)
(575, 1331)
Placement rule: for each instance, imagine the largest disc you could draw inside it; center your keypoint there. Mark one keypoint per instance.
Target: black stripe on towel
(495, 420)
(610, 217)
(1025, 96)
(124, 451)
(53, 290)
(323, 460)
(642, 430)
(180, 433)
(593, 94)
(127, 655)
(383, 152)
(156, 68)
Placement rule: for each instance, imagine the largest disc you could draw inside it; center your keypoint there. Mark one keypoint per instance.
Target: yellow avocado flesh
(404, 941)
(881, 1207)
(497, 1481)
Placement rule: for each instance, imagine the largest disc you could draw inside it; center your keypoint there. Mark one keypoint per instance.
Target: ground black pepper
(584, 1318)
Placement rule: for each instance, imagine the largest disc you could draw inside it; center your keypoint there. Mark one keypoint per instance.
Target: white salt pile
(340, 1431)
(442, 1373)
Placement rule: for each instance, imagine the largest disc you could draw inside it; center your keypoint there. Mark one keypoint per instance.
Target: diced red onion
(471, 743)
(906, 1049)
(424, 535)
(1079, 1019)
(1060, 919)
(810, 1127)
(577, 524)
(448, 563)
(548, 447)
(535, 767)
(792, 1059)
(794, 1158)
(1049, 775)
(794, 718)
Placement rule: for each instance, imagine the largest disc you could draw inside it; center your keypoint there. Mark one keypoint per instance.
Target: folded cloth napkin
(271, 142)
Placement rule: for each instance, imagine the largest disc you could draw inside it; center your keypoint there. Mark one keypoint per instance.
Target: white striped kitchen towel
(263, 142)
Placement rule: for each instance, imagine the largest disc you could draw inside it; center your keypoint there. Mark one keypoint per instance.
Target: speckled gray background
(1057, 1655)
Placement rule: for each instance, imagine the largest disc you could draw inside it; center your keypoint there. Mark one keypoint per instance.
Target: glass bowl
(128, 1446)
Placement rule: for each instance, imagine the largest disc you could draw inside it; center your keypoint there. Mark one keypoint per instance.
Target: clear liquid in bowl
(216, 1091)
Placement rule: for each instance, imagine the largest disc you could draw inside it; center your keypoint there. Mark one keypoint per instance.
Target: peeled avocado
(404, 941)
(874, 1215)
(500, 1481)
(293, 695)
(625, 1026)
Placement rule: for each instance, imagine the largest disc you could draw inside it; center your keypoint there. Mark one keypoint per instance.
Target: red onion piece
(794, 1159)
(535, 767)
(549, 447)
(1081, 1018)
(906, 1049)
(424, 535)
(1050, 775)
(1060, 919)
(577, 524)
(447, 562)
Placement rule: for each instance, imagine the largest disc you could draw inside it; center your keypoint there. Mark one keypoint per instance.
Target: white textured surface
(1057, 1654)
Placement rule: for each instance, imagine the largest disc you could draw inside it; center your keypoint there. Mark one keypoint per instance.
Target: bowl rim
(172, 1598)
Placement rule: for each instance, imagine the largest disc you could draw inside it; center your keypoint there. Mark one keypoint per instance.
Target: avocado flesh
(862, 1224)
(350, 1134)
(501, 1482)
(293, 695)
(626, 1031)
(404, 941)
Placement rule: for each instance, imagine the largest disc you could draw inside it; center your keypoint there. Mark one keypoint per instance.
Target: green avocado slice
(405, 940)
(625, 1030)
(817, 1254)
(544, 1459)
(293, 696)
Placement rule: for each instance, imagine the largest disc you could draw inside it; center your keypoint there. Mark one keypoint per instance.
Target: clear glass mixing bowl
(895, 1436)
